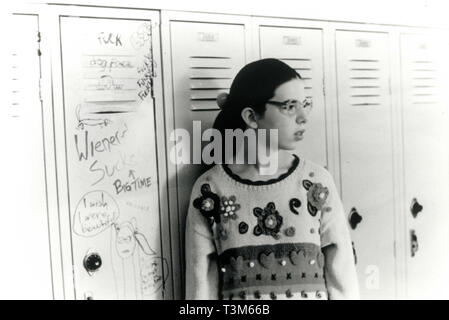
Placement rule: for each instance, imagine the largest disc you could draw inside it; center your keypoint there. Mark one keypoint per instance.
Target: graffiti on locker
(138, 270)
(127, 237)
(89, 150)
(133, 184)
(109, 78)
(124, 162)
(138, 206)
(107, 64)
(94, 213)
(146, 75)
(108, 38)
(92, 122)
(142, 36)
(154, 274)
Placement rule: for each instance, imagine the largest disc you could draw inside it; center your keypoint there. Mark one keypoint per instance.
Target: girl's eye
(291, 107)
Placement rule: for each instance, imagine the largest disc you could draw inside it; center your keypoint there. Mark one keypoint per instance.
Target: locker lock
(415, 208)
(92, 262)
(354, 218)
(414, 246)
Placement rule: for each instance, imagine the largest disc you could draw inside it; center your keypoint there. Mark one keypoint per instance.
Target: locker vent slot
(304, 67)
(364, 79)
(424, 80)
(208, 77)
(15, 92)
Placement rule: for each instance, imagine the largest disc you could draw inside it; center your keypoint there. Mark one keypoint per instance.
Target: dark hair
(252, 87)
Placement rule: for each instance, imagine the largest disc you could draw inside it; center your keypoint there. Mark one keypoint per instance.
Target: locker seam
(180, 247)
(166, 159)
(161, 247)
(66, 157)
(392, 160)
(405, 236)
(57, 184)
(323, 81)
(45, 159)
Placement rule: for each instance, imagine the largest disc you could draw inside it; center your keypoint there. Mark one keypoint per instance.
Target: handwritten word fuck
(109, 38)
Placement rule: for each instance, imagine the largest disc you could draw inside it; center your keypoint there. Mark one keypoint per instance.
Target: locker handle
(354, 253)
(415, 207)
(88, 296)
(414, 245)
(92, 262)
(354, 218)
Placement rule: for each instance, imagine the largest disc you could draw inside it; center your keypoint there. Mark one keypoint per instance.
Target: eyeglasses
(291, 107)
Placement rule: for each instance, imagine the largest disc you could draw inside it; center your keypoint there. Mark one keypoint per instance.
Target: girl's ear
(249, 116)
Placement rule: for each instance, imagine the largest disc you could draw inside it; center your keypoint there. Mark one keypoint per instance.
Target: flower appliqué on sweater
(208, 204)
(228, 208)
(316, 196)
(269, 221)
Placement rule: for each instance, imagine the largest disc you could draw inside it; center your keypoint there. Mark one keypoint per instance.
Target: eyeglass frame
(306, 102)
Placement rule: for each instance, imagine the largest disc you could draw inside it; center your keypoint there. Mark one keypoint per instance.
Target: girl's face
(290, 127)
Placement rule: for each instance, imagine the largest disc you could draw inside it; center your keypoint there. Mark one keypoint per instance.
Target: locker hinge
(39, 38)
(39, 53)
(40, 90)
(324, 89)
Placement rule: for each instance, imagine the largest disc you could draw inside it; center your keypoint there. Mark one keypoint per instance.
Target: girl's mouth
(299, 134)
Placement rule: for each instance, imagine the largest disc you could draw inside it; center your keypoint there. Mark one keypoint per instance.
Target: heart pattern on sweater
(236, 263)
(297, 256)
(267, 260)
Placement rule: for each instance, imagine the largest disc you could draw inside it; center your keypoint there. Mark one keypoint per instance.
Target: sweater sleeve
(340, 272)
(200, 253)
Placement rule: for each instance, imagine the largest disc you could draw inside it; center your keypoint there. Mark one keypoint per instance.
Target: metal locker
(365, 139)
(27, 252)
(204, 57)
(302, 49)
(426, 163)
(114, 154)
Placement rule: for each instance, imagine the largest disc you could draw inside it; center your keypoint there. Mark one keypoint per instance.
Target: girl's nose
(301, 117)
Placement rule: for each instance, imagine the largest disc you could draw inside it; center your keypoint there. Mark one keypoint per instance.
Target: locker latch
(414, 246)
(415, 208)
(354, 218)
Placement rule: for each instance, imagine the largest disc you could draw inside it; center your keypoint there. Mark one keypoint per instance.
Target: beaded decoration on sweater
(268, 235)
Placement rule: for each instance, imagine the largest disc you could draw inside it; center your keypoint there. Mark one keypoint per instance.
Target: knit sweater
(264, 239)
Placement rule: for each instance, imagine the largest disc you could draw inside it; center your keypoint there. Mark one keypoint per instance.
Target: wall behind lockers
(105, 88)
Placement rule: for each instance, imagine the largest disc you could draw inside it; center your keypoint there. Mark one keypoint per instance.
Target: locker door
(364, 112)
(302, 49)
(205, 58)
(426, 164)
(26, 254)
(111, 100)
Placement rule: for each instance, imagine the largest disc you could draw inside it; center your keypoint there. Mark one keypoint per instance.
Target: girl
(251, 235)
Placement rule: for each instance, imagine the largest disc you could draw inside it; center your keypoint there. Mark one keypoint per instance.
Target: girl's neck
(261, 170)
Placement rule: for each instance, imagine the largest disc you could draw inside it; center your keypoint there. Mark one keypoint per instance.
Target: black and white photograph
(224, 150)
